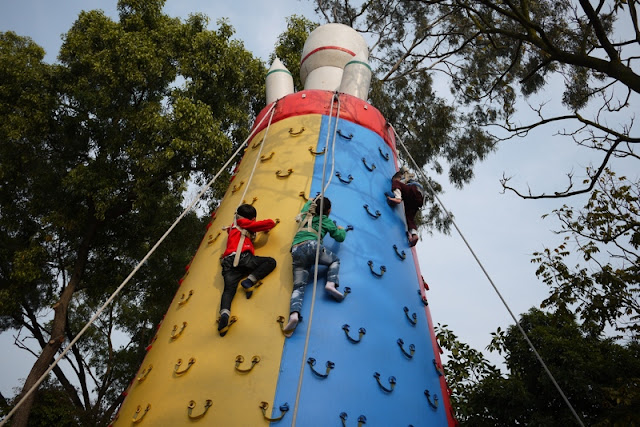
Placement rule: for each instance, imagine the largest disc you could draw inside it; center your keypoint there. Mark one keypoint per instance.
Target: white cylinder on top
(327, 50)
(356, 78)
(279, 81)
(326, 78)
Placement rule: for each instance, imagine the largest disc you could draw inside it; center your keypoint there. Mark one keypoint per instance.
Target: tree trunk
(21, 416)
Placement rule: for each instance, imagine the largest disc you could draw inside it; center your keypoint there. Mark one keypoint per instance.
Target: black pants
(258, 266)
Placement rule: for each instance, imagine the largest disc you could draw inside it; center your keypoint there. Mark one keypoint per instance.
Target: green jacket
(328, 226)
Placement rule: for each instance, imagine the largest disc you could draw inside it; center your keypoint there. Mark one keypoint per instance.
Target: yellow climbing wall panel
(189, 330)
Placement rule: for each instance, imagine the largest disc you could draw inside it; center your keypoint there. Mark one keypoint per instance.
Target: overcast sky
(502, 229)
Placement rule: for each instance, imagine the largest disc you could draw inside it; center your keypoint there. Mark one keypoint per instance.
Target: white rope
(495, 288)
(319, 237)
(255, 164)
(135, 270)
(243, 232)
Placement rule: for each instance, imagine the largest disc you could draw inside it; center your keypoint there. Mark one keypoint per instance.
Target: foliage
(606, 236)
(464, 369)
(52, 407)
(589, 369)
(600, 378)
(494, 54)
(95, 155)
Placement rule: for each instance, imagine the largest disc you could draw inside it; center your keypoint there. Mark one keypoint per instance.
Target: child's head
(398, 176)
(326, 206)
(246, 211)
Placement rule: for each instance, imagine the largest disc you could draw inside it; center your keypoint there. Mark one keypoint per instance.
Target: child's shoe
(223, 324)
(413, 240)
(247, 285)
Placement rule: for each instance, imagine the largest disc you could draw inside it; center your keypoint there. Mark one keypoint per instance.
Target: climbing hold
(369, 168)
(192, 405)
(374, 216)
(413, 319)
(330, 365)
(392, 382)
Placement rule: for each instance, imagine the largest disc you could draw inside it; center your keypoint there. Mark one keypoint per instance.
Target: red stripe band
(325, 48)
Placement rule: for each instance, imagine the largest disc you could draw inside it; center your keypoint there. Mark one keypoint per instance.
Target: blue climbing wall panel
(378, 341)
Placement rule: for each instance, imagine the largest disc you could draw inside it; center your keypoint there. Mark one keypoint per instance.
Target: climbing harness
(135, 270)
(243, 235)
(495, 288)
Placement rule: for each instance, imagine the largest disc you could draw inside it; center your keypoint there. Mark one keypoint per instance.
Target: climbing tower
(372, 358)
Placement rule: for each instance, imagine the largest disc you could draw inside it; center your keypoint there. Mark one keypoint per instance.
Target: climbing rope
(323, 188)
(495, 288)
(133, 272)
(243, 232)
(255, 164)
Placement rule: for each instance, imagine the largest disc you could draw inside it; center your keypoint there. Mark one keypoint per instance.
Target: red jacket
(249, 225)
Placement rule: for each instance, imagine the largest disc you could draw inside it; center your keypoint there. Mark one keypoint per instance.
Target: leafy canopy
(96, 153)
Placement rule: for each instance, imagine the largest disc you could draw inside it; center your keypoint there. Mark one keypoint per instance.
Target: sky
(502, 229)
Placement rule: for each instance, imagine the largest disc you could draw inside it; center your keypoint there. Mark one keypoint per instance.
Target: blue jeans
(304, 258)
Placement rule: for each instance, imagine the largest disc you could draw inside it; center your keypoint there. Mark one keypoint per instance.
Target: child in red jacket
(239, 260)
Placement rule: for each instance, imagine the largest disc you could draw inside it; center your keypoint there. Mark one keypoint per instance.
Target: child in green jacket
(303, 252)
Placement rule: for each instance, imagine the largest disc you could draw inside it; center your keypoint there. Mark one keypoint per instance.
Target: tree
(590, 370)
(600, 377)
(464, 369)
(495, 54)
(606, 235)
(95, 156)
